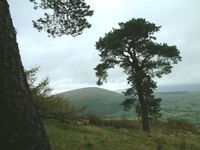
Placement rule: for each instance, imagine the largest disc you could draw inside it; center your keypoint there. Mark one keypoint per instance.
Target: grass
(64, 136)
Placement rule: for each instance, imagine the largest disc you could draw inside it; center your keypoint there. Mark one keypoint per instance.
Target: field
(183, 105)
(65, 136)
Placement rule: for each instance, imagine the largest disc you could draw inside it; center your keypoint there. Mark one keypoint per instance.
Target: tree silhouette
(133, 48)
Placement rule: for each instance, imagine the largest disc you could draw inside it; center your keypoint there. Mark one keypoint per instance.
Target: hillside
(97, 100)
(184, 105)
(64, 136)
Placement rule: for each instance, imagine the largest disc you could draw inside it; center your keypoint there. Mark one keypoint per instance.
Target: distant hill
(179, 88)
(185, 105)
(173, 88)
(99, 101)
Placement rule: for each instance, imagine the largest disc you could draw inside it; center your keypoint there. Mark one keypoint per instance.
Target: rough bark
(20, 126)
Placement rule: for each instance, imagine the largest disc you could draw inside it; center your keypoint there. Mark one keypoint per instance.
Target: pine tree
(133, 48)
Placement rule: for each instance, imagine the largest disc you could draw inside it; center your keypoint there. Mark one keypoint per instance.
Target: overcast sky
(69, 62)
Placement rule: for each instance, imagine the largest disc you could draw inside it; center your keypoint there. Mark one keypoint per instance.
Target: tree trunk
(142, 101)
(20, 126)
(144, 109)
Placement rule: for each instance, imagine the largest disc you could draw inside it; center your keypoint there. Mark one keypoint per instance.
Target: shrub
(116, 123)
(96, 120)
(180, 125)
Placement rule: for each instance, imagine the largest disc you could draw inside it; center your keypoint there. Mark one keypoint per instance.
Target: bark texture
(20, 126)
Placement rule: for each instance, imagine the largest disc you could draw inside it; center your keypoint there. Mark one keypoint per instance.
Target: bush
(174, 126)
(180, 125)
(96, 120)
(116, 123)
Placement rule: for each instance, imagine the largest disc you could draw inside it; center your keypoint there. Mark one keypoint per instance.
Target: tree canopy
(63, 17)
(134, 48)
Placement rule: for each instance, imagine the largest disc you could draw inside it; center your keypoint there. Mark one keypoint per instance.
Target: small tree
(50, 106)
(40, 92)
(133, 48)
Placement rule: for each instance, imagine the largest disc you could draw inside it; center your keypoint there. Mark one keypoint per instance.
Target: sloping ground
(67, 137)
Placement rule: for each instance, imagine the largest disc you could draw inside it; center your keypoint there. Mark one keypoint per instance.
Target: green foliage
(52, 104)
(65, 17)
(133, 48)
(38, 89)
(41, 94)
(56, 107)
(66, 136)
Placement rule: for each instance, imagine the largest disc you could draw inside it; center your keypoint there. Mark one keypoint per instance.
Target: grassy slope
(64, 136)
